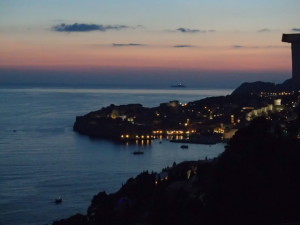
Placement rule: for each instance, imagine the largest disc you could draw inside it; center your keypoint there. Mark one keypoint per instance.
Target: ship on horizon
(180, 85)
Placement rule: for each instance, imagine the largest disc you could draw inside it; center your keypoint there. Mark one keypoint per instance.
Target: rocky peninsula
(205, 121)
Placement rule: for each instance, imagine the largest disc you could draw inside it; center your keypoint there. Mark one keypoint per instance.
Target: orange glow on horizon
(18, 55)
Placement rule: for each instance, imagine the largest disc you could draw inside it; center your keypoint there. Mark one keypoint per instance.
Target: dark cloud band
(81, 27)
(264, 30)
(124, 45)
(183, 46)
(187, 30)
(238, 46)
(257, 47)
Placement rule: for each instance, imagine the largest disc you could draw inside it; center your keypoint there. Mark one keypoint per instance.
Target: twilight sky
(111, 41)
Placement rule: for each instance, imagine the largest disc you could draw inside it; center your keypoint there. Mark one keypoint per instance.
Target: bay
(41, 157)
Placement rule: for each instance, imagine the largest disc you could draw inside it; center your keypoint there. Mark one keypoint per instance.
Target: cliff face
(255, 181)
(112, 121)
(106, 127)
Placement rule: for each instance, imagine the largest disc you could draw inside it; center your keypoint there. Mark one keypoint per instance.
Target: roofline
(291, 38)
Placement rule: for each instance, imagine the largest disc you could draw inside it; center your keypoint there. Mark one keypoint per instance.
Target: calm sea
(41, 158)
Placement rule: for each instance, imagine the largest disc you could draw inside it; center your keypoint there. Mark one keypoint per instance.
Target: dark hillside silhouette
(255, 181)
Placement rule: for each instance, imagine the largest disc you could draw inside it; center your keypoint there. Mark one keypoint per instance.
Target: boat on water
(184, 146)
(180, 85)
(138, 153)
(58, 200)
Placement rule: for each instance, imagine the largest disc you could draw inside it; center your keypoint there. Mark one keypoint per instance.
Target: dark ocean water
(41, 158)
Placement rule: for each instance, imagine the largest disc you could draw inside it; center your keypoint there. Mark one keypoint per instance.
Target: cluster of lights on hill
(159, 134)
